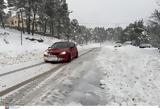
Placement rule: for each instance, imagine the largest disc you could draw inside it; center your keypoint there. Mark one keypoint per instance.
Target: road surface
(101, 76)
(76, 82)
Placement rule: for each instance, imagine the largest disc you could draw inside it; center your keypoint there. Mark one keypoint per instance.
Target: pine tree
(52, 15)
(2, 7)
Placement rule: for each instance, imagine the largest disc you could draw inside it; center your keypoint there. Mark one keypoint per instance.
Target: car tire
(46, 61)
(76, 55)
(69, 58)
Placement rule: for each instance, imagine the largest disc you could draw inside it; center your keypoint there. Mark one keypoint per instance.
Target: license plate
(52, 58)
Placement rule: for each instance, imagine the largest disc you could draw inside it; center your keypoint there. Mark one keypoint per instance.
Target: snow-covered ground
(106, 76)
(13, 56)
(11, 51)
(2, 107)
(20, 76)
(131, 75)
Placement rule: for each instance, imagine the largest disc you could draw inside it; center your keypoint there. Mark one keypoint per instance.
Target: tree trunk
(58, 28)
(2, 22)
(29, 24)
(33, 23)
(29, 21)
(52, 29)
(45, 27)
(36, 28)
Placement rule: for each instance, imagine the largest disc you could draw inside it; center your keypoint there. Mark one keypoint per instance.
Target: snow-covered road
(15, 74)
(105, 76)
(60, 80)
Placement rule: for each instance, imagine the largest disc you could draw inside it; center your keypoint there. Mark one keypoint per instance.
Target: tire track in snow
(34, 65)
(8, 90)
(24, 68)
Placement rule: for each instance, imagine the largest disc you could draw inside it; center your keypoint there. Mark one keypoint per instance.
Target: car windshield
(60, 45)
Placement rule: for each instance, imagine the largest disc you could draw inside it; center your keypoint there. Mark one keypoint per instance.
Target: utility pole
(21, 27)
(21, 37)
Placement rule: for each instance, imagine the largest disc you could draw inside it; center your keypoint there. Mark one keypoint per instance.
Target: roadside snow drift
(131, 75)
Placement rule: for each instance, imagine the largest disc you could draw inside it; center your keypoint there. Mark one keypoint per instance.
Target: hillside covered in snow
(11, 51)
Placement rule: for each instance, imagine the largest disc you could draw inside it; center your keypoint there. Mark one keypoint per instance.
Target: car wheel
(69, 58)
(46, 61)
(76, 55)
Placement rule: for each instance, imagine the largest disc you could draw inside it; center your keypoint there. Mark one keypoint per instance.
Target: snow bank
(131, 75)
(11, 51)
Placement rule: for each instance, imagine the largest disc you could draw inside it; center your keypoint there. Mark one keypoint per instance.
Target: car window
(60, 45)
(72, 45)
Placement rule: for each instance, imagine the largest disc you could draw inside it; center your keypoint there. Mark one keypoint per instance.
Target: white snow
(85, 107)
(131, 75)
(13, 53)
(13, 56)
(2, 107)
(18, 77)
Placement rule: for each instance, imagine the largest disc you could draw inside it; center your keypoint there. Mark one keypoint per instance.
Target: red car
(61, 51)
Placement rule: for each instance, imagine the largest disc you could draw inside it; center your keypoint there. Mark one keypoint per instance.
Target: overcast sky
(110, 13)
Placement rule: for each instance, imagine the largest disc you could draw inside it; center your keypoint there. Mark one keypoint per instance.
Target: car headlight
(63, 53)
(46, 53)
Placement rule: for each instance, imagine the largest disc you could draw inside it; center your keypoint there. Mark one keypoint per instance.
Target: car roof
(65, 42)
(70, 44)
